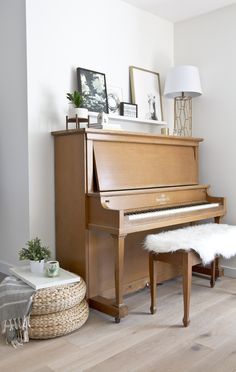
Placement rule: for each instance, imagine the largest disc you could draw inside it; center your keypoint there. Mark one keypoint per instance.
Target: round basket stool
(57, 311)
(60, 323)
(53, 299)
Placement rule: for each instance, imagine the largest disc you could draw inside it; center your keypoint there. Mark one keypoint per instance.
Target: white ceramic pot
(82, 113)
(37, 267)
(71, 111)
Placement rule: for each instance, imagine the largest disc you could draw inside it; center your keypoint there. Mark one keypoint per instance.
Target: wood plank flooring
(144, 342)
(2, 276)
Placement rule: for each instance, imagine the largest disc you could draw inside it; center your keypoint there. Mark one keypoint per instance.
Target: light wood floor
(144, 342)
(2, 276)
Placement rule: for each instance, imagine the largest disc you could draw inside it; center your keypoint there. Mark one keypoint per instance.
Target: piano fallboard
(111, 211)
(155, 197)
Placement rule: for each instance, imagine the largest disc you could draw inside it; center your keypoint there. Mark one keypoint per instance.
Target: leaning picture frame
(146, 93)
(92, 85)
(114, 98)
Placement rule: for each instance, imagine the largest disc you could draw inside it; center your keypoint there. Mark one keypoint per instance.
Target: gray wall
(208, 41)
(14, 194)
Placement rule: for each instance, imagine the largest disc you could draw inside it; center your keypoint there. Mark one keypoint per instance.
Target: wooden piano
(111, 189)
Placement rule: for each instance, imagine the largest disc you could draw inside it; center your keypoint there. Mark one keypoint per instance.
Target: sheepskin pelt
(208, 240)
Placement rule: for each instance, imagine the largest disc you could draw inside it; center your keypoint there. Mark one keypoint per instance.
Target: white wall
(208, 42)
(105, 36)
(14, 210)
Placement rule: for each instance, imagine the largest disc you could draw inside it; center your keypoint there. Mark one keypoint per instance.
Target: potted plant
(36, 253)
(76, 98)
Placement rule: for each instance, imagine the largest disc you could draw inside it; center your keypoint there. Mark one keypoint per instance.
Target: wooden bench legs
(153, 284)
(181, 258)
(213, 272)
(187, 284)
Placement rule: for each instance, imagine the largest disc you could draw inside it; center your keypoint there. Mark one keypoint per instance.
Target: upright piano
(111, 189)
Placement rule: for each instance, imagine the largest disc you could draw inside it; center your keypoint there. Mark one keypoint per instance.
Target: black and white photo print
(92, 85)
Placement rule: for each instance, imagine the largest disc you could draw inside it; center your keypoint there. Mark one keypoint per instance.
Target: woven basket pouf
(60, 323)
(54, 299)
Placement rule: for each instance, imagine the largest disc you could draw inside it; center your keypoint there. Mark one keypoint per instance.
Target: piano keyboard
(170, 211)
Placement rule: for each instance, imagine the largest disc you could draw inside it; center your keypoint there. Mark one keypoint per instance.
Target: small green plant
(35, 251)
(76, 98)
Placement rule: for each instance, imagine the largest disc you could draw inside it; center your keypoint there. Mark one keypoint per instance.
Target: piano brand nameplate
(123, 165)
(162, 199)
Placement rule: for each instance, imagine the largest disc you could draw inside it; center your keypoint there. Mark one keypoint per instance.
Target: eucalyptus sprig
(76, 98)
(35, 251)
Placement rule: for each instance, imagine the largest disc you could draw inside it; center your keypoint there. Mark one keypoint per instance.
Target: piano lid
(122, 165)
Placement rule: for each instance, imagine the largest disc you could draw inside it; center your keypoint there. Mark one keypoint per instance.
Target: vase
(82, 113)
(37, 267)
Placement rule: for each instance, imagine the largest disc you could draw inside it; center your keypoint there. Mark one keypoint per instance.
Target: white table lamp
(183, 83)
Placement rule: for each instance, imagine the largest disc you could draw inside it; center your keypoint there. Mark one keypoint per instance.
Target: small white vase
(37, 267)
(82, 113)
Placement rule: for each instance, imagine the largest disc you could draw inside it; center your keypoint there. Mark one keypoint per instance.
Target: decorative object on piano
(92, 84)
(183, 83)
(165, 131)
(129, 109)
(102, 119)
(95, 125)
(146, 93)
(114, 98)
(76, 98)
(36, 254)
(77, 120)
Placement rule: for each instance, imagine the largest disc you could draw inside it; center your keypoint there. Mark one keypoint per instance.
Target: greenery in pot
(76, 98)
(34, 251)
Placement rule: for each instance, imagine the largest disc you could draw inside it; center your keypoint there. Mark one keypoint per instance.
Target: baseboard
(4, 267)
(229, 271)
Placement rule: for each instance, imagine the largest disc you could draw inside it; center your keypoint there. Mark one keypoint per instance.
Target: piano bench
(186, 260)
(187, 247)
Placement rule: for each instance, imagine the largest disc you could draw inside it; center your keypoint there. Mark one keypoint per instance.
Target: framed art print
(114, 98)
(129, 109)
(146, 93)
(92, 86)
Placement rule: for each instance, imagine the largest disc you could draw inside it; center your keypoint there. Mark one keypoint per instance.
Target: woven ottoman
(57, 311)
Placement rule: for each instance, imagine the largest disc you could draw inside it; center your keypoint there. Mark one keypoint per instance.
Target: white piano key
(169, 212)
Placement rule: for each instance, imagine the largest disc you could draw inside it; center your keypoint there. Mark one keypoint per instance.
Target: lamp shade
(183, 79)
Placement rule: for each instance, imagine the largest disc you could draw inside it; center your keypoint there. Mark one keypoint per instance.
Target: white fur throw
(208, 240)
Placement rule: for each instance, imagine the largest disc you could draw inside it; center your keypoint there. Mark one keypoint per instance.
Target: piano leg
(218, 219)
(114, 307)
(119, 268)
(119, 241)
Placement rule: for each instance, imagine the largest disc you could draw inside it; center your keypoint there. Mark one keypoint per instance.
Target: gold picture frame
(146, 93)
